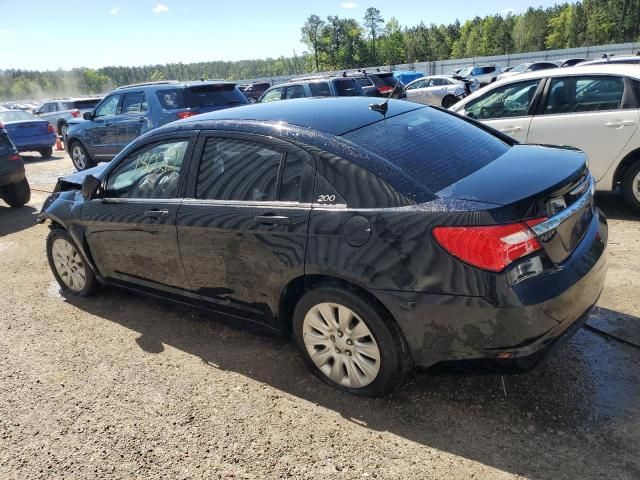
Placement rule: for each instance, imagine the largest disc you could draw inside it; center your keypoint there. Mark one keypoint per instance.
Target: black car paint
(445, 308)
(11, 171)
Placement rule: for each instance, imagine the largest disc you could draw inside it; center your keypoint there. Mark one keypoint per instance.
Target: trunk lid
(537, 182)
(27, 128)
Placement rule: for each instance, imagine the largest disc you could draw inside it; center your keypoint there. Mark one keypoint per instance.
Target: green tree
(373, 23)
(311, 33)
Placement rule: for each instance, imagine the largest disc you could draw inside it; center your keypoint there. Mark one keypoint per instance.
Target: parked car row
(28, 132)
(61, 112)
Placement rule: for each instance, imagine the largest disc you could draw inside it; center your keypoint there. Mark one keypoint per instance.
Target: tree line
(338, 43)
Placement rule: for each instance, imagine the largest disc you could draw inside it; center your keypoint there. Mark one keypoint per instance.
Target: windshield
(434, 148)
(15, 116)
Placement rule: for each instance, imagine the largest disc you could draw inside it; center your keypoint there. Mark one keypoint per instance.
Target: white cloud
(114, 11)
(7, 33)
(160, 8)
(349, 5)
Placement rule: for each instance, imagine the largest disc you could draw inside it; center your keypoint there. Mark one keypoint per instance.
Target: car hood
(78, 177)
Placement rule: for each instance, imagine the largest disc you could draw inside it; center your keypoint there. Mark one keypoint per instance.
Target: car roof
(173, 84)
(622, 58)
(332, 115)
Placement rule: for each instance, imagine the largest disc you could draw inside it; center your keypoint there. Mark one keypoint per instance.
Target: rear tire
(358, 349)
(631, 186)
(16, 195)
(46, 152)
(80, 157)
(69, 268)
(62, 129)
(449, 101)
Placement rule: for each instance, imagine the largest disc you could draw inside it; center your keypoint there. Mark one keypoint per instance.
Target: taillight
(1, 125)
(385, 90)
(491, 247)
(75, 113)
(187, 114)
(14, 157)
(51, 129)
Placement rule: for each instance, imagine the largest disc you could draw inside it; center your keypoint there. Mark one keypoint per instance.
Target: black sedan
(384, 237)
(14, 187)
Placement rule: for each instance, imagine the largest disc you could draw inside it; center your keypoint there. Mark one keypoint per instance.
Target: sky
(47, 35)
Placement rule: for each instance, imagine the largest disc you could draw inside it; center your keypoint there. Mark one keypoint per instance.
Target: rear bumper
(518, 325)
(11, 172)
(27, 144)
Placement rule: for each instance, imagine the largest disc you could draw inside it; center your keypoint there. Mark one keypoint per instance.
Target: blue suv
(129, 111)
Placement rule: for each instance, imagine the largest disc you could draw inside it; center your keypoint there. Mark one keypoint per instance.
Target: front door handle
(511, 129)
(158, 213)
(273, 219)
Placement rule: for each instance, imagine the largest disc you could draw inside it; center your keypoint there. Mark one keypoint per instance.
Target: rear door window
(171, 99)
(434, 148)
(134, 102)
(512, 100)
(320, 89)
(294, 91)
(584, 94)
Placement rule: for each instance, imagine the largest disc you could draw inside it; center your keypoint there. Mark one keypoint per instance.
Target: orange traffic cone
(59, 145)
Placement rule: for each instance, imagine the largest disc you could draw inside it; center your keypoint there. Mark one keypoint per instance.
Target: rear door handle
(159, 213)
(614, 124)
(511, 129)
(273, 219)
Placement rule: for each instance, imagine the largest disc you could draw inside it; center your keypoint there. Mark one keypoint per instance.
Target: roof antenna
(384, 106)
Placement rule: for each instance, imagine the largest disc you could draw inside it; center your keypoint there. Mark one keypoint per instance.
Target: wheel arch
(631, 158)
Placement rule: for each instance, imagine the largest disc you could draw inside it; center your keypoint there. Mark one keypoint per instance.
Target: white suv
(593, 108)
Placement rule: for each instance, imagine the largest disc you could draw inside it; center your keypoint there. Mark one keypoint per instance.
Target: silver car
(439, 90)
(60, 112)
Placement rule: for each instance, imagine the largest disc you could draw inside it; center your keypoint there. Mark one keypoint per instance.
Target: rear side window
(636, 90)
(171, 99)
(364, 82)
(584, 94)
(233, 169)
(217, 95)
(291, 180)
(320, 89)
(434, 148)
(348, 87)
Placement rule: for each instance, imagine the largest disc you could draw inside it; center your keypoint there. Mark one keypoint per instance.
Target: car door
(294, 91)
(595, 113)
(101, 132)
(131, 120)
(435, 91)
(243, 232)
(507, 108)
(48, 111)
(272, 95)
(131, 227)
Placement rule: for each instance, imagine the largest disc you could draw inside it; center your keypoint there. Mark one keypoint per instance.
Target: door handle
(511, 129)
(273, 219)
(618, 124)
(142, 119)
(159, 213)
(108, 124)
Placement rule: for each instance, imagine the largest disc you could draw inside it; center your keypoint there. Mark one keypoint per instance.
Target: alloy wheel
(635, 186)
(79, 157)
(69, 265)
(341, 345)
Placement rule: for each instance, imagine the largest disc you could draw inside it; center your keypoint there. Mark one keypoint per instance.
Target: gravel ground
(123, 386)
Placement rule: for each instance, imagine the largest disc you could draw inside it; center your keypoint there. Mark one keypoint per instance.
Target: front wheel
(80, 157)
(631, 186)
(449, 101)
(349, 343)
(16, 195)
(70, 270)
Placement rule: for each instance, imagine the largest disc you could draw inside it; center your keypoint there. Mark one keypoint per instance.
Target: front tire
(631, 186)
(80, 157)
(449, 101)
(349, 342)
(69, 268)
(18, 194)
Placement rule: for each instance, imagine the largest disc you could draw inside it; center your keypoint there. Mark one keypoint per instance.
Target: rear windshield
(364, 81)
(348, 87)
(201, 96)
(81, 104)
(388, 79)
(15, 116)
(434, 148)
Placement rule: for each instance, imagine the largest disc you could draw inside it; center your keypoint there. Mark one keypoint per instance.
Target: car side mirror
(87, 115)
(90, 186)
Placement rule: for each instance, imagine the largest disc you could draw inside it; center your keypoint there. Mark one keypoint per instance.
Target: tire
(449, 101)
(346, 355)
(71, 271)
(80, 157)
(631, 186)
(62, 129)
(17, 194)
(46, 152)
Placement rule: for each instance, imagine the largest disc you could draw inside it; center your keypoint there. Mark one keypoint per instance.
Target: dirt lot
(122, 386)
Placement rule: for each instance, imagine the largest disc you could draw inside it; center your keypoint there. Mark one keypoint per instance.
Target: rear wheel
(449, 101)
(62, 129)
(69, 268)
(631, 185)
(80, 157)
(349, 343)
(16, 195)
(46, 152)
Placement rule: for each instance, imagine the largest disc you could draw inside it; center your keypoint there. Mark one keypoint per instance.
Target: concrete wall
(445, 66)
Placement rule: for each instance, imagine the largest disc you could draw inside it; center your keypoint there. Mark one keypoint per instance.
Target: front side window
(134, 102)
(272, 95)
(584, 94)
(108, 107)
(512, 100)
(153, 172)
(295, 91)
(233, 169)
